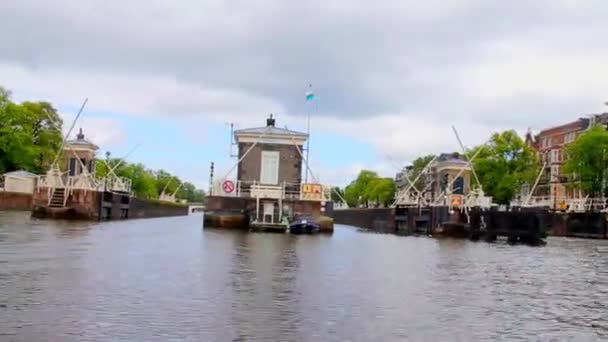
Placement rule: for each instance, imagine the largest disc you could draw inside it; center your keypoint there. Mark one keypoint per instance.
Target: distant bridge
(196, 208)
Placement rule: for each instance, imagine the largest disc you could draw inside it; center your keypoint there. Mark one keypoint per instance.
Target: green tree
(190, 193)
(5, 96)
(167, 182)
(504, 165)
(416, 168)
(45, 126)
(587, 161)
(30, 134)
(102, 167)
(143, 183)
(17, 149)
(381, 191)
(355, 193)
(337, 194)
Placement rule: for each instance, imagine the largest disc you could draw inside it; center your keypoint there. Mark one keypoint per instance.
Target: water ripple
(170, 280)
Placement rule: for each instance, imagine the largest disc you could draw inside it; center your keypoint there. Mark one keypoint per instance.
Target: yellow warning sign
(312, 192)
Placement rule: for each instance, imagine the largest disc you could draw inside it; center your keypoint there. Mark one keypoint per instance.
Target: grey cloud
(389, 57)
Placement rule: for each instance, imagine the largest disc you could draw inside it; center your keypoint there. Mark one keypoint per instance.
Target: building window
(555, 173)
(544, 142)
(72, 167)
(570, 137)
(82, 165)
(554, 156)
(458, 186)
(270, 167)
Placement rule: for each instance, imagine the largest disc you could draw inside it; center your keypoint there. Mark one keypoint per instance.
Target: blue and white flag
(309, 94)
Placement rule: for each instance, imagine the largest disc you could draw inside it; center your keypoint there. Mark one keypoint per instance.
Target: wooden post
(257, 208)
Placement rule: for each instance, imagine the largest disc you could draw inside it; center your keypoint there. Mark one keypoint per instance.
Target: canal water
(170, 280)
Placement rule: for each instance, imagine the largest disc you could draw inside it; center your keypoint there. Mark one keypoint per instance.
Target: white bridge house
(269, 176)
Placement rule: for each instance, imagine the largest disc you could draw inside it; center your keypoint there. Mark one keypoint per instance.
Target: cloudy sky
(391, 77)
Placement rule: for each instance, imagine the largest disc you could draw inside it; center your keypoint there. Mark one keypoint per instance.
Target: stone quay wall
(377, 219)
(86, 205)
(142, 208)
(15, 201)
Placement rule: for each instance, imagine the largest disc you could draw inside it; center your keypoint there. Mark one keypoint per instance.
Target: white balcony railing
(565, 203)
(54, 180)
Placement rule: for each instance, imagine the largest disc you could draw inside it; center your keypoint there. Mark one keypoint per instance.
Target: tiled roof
(580, 124)
(269, 130)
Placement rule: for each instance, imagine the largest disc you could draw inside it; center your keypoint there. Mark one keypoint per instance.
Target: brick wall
(219, 203)
(86, 203)
(290, 164)
(15, 201)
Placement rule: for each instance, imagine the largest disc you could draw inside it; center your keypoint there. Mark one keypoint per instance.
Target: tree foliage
(337, 195)
(368, 188)
(381, 191)
(30, 134)
(416, 168)
(586, 161)
(504, 165)
(147, 183)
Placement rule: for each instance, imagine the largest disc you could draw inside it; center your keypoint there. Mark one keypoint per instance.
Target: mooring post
(211, 180)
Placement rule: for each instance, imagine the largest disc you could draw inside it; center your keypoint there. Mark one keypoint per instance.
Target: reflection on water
(168, 279)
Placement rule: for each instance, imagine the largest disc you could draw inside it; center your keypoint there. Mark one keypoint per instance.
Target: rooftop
(579, 124)
(452, 157)
(270, 129)
(20, 174)
(81, 141)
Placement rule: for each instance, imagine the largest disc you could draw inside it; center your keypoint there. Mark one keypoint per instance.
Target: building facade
(268, 189)
(550, 145)
(79, 154)
(270, 155)
(446, 179)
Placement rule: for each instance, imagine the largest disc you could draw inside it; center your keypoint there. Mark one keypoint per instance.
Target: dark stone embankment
(235, 212)
(94, 206)
(517, 225)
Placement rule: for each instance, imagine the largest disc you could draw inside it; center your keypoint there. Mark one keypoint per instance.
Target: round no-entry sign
(228, 186)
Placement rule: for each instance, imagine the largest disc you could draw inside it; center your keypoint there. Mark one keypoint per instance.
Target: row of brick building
(550, 144)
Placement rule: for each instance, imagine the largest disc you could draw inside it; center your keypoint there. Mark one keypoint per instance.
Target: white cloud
(395, 74)
(102, 131)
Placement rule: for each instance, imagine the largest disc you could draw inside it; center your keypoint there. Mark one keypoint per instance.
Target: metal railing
(565, 203)
(55, 179)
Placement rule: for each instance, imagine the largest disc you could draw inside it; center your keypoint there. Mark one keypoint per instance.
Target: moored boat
(304, 225)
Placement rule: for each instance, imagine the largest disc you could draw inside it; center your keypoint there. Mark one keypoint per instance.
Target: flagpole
(308, 140)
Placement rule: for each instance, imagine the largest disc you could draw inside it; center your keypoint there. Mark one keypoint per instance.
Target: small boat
(304, 225)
